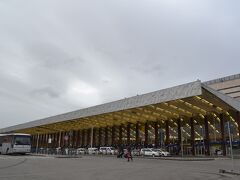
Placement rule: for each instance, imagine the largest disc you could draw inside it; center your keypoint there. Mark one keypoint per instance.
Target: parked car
(81, 151)
(149, 152)
(92, 150)
(136, 152)
(107, 150)
(218, 152)
(162, 152)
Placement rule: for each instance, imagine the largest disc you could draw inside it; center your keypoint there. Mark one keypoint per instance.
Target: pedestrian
(129, 154)
(120, 151)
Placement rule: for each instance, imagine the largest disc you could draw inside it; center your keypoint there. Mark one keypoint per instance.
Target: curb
(161, 158)
(137, 157)
(67, 156)
(56, 156)
(228, 172)
(179, 159)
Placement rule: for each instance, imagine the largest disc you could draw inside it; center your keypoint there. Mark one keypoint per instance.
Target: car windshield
(22, 140)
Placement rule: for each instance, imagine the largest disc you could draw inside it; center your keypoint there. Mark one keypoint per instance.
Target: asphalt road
(109, 168)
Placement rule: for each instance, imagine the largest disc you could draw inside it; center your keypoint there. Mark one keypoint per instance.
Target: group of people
(128, 154)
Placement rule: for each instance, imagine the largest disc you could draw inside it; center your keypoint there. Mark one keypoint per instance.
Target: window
(22, 140)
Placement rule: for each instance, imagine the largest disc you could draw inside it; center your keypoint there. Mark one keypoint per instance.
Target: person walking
(121, 151)
(129, 154)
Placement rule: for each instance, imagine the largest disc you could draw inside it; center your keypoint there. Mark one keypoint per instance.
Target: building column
(76, 139)
(73, 138)
(48, 145)
(33, 140)
(238, 122)
(192, 136)
(179, 126)
(113, 135)
(41, 140)
(83, 137)
(99, 136)
(120, 135)
(137, 134)
(94, 137)
(156, 142)
(68, 139)
(207, 144)
(44, 140)
(61, 139)
(89, 132)
(128, 133)
(146, 126)
(222, 122)
(106, 136)
(167, 132)
(55, 140)
(79, 138)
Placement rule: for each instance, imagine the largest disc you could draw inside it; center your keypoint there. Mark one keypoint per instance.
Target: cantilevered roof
(184, 101)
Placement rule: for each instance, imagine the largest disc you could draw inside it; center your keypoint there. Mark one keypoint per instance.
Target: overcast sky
(61, 55)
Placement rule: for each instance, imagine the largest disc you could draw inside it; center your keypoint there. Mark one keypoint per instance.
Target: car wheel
(153, 155)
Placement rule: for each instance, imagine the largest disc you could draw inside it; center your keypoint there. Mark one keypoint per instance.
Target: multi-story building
(229, 85)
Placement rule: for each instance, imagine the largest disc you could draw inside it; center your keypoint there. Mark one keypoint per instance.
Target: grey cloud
(51, 56)
(50, 92)
(146, 67)
(57, 56)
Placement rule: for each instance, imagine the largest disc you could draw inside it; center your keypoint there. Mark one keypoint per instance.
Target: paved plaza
(109, 168)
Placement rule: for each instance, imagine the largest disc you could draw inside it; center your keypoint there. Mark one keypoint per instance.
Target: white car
(107, 150)
(81, 151)
(149, 152)
(136, 152)
(162, 152)
(92, 150)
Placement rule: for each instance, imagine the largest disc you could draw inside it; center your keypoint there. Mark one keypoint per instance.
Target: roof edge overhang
(164, 95)
(225, 98)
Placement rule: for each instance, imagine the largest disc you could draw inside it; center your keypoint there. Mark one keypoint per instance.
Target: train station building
(197, 116)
